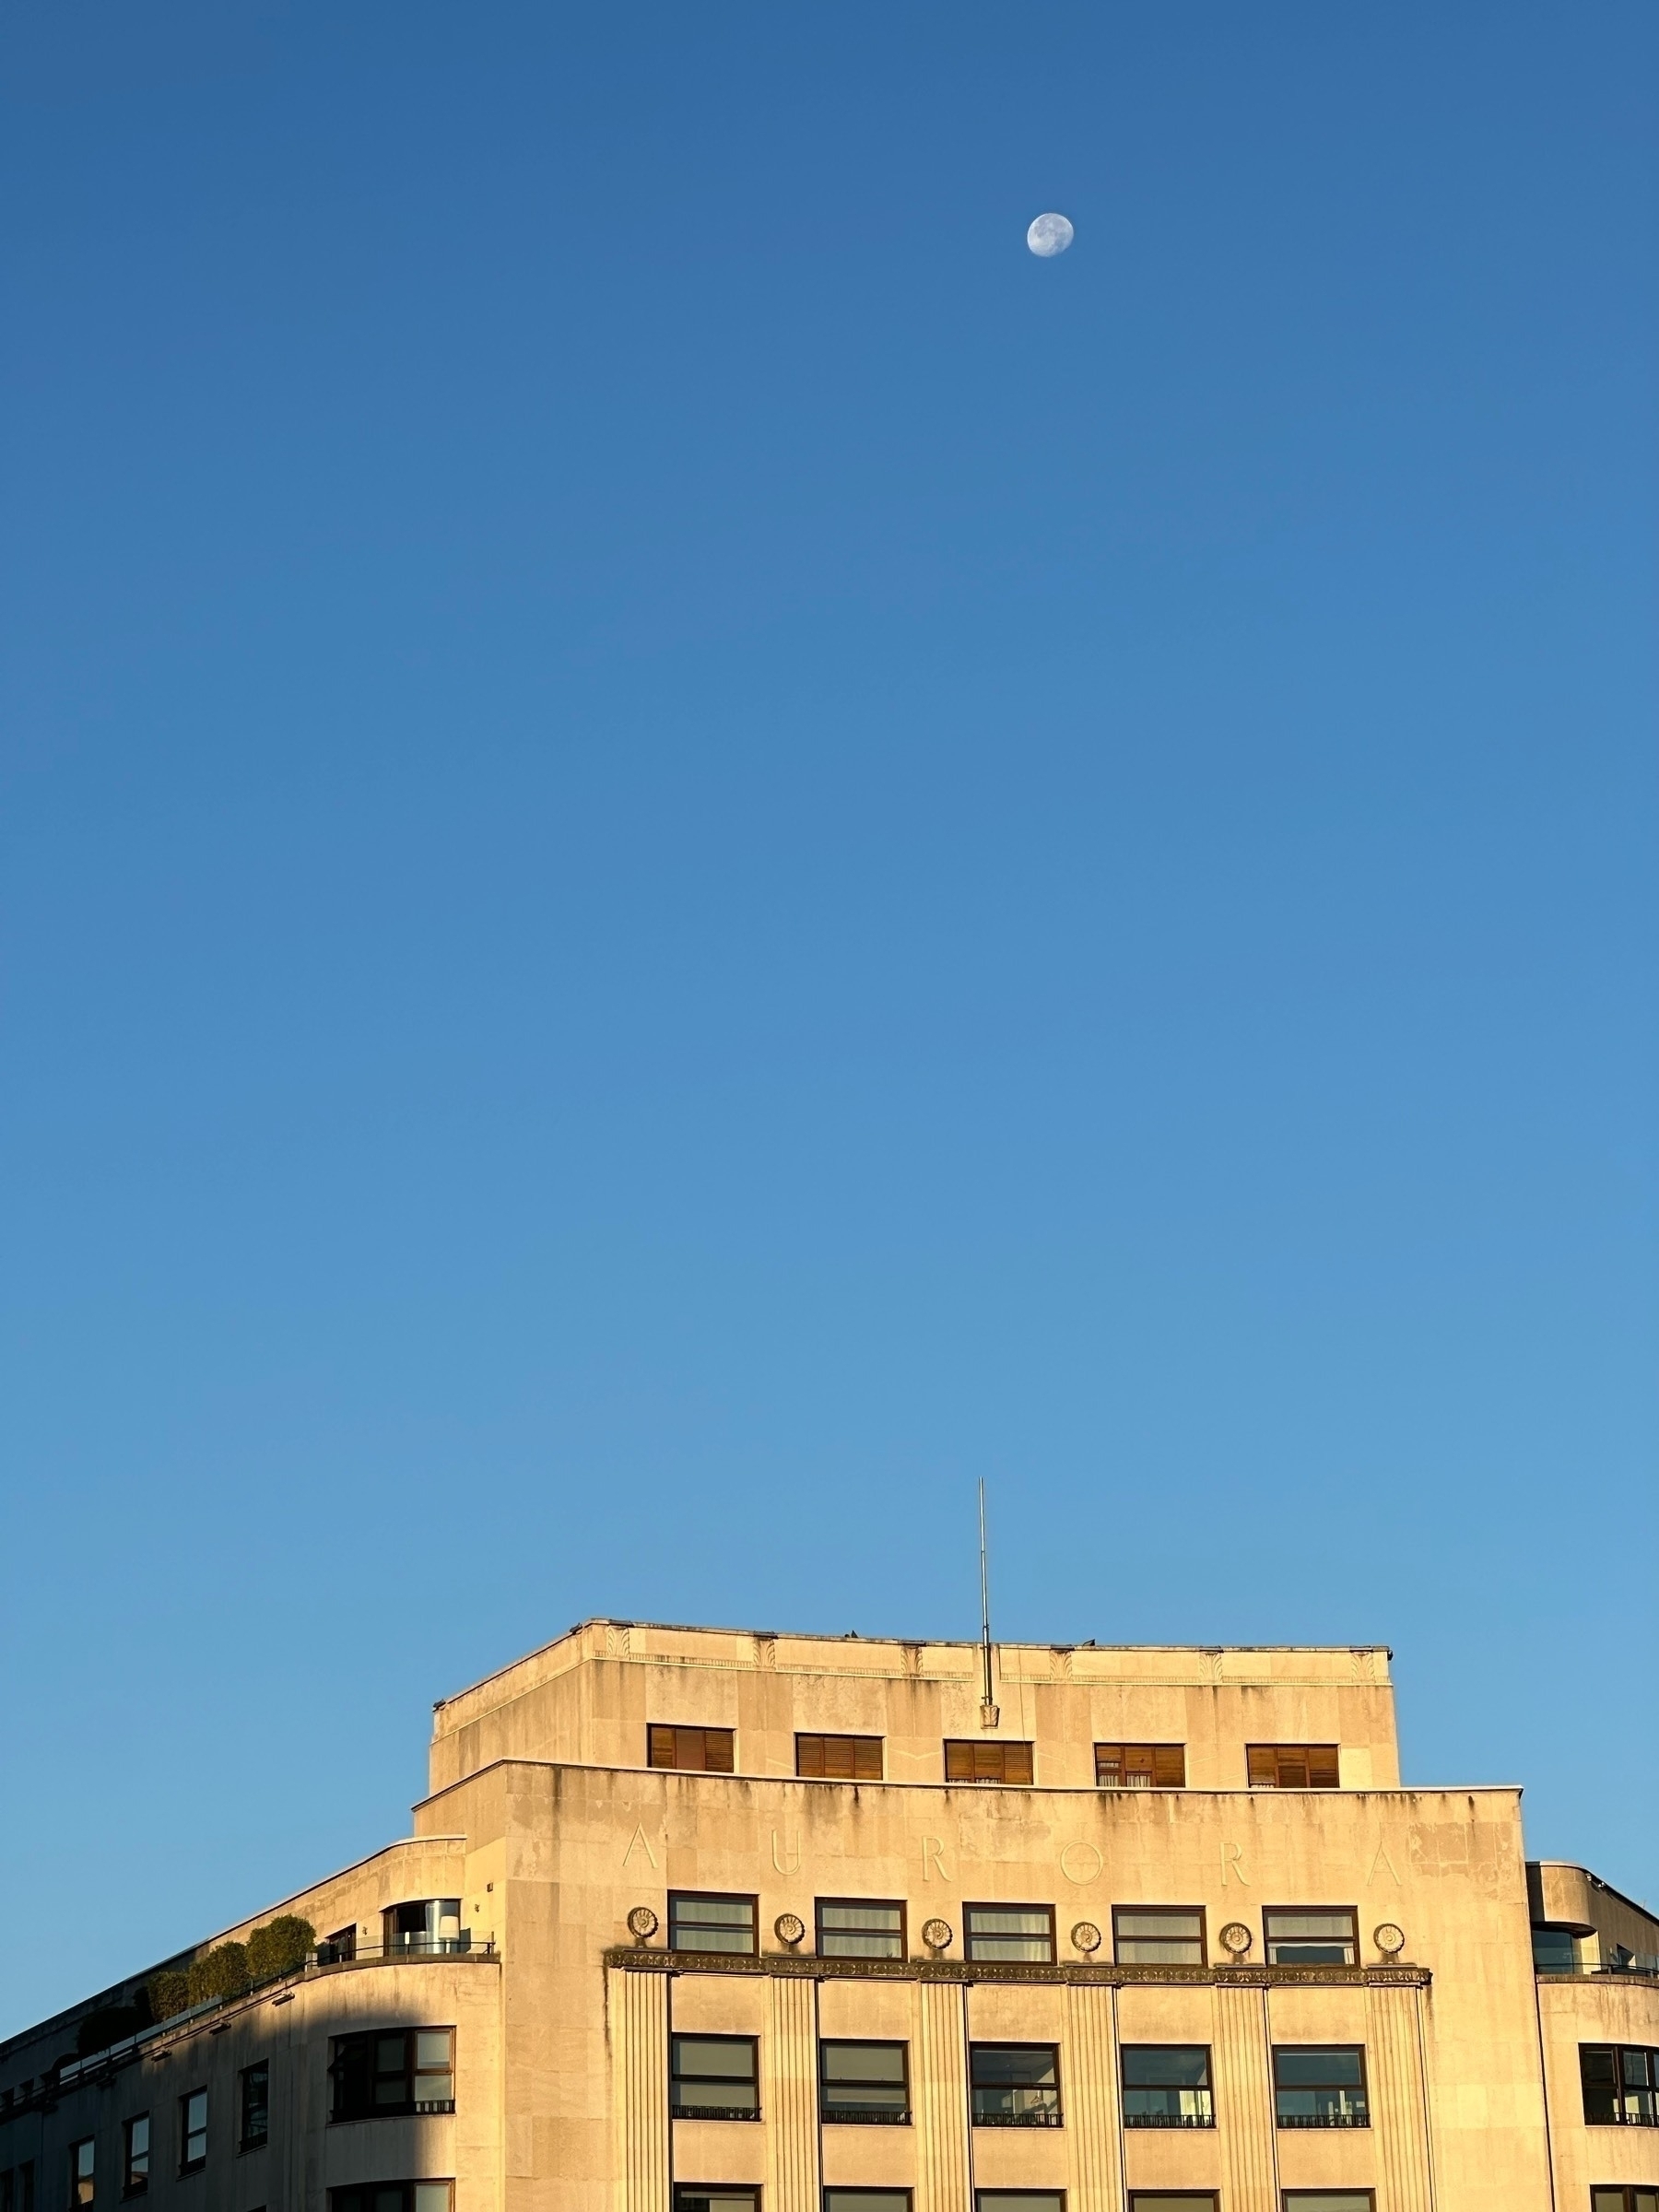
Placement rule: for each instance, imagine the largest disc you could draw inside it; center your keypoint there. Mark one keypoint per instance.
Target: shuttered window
(1140, 1766)
(971, 1758)
(1292, 1766)
(839, 1757)
(695, 1750)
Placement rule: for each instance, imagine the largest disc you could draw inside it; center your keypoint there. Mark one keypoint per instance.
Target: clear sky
(687, 853)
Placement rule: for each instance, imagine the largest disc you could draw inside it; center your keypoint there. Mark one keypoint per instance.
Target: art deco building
(702, 1920)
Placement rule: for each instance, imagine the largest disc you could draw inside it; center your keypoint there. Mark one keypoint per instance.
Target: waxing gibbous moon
(1049, 235)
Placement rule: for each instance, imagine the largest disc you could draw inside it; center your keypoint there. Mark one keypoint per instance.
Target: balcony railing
(1042, 2116)
(866, 2115)
(1202, 2119)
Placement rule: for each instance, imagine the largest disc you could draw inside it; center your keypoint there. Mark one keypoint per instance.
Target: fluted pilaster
(639, 2090)
(1089, 2086)
(1244, 2100)
(939, 2094)
(1394, 2062)
(789, 2097)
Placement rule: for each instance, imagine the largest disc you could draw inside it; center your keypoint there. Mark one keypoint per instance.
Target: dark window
(430, 1925)
(1158, 1935)
(865, 2084)
(1320, 2085)
(1140, 1766)
(1166, 2085)
(1292, 1766)
(254, 2107)
(25, 2188)
(82, 2171)
(337, 1949)
(713, 2077)
(1020, 2200)
(1555, 1950)
(394, 2196)
(193, 2132)
(713, 2196)
(1621, 2085)
(860, 1927)
(1015, 2085)
(839, 1757)
(1294, 1937)
(1617, 2199)
(393, 2071)
(1172, 2200)
(1329, 2200)
(697, 1750)
(866, 2200)
(971, 1758)
(1010, 1931)
(699, 1922)
(135, 2155)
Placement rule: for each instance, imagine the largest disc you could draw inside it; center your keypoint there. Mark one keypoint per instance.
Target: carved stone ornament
(1389, 1939)
(642, 1923)
(1086, 1937)
(936, 1933)
(1236, 1940)
(789, 1928)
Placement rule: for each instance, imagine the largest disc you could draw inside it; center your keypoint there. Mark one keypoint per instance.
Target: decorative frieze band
(640, 1960)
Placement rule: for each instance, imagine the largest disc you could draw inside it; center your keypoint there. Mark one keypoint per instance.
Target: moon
(1049, 235)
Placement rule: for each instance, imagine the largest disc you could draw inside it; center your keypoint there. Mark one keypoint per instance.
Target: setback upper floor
(1060, 1716)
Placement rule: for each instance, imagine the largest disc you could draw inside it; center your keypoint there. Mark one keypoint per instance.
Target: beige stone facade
(1393, 1939)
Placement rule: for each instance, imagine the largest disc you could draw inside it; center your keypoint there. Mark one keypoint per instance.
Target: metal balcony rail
(1337, 2115)
(867, 2116)
(1612, 1970)
(1043, 2117)
(1204, 2119)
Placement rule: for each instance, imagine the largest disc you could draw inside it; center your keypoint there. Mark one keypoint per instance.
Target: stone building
(707, 1921)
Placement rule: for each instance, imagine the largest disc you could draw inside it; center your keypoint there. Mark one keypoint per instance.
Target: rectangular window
(1140, 1766)
(1168, 2085)
(1293, 1937)
(82, 2160)
(394, 2196)
(1320, 2085)
(1620, 2084)
(1172, 2200)
(713, 2077)
(1020, 2200)
(701, 1922)
(1329, 2200)
(714, 2197)
(839, 1757)
(338, 1949)
(254, 2107)
(1292, 1766)
(135, 2155)
(1010, 1931)
(863, 2084)
(392, 2072)
(1555, 1950)
(971, 1758)
(1158, 1935)
(1617, 2199)
(866, 2200)
(695, 1750)
(193, 2132)
(860, 1927)
(1015, 2085)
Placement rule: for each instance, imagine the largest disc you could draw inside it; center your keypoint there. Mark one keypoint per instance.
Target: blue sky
(688, 854)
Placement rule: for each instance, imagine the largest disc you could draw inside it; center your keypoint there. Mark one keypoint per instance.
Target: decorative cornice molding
(640, 1960)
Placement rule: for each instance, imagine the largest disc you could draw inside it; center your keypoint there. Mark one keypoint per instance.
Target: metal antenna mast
(987, 1710)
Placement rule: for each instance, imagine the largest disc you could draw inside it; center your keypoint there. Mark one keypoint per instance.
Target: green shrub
(221, 1972)
(279, 1947)
(169, 1993)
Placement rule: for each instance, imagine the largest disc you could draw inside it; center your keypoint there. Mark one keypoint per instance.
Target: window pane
(733, 2057)
(866, 2200)
(432, 2048)
(1150, 2066)
(1327, 2200)
(1154, 1938)
(710, 1924)
(1141, 2200)
(693, 2198)
(864, 2062)
(1297, 2067)
(1024, 2200)
(431, 2196)
(1009, 1932)
(857, 1929)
